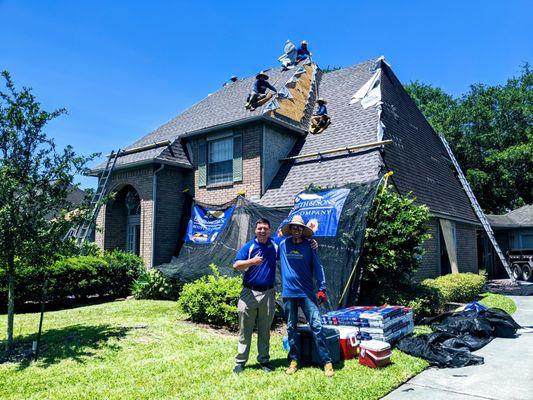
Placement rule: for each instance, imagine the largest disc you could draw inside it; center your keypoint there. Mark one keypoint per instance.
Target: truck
(521, 261)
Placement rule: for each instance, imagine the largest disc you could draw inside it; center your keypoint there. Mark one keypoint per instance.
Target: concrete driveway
(506, 375)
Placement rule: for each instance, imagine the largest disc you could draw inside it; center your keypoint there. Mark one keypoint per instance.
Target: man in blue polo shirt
(257, 259)
(257, 302)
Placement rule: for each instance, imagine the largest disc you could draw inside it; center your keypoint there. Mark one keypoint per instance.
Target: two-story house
(217, 149)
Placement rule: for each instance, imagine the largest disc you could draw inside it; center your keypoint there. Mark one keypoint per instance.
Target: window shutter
(202, 169)
(237, 158)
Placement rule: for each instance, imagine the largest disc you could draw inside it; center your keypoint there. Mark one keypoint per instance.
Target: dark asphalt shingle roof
(351, 125)
(222, 107)
(520, 218)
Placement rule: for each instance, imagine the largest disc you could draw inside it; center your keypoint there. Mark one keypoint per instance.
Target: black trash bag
(457, 334)
(430, 349)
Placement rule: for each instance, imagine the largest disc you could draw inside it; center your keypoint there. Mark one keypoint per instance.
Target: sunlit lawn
(146, 350)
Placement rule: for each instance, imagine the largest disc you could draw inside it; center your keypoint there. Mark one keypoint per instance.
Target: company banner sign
(321, 211)
(205, 225)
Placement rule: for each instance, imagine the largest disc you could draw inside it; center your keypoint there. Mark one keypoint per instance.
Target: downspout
(154, 208)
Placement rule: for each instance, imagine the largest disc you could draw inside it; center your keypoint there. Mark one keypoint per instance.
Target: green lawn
(146, 350)
(492, 300)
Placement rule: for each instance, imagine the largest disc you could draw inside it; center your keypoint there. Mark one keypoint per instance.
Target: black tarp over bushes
(338, 253)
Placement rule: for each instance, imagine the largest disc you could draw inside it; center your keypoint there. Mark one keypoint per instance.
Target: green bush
(124, 269)
(458, 288)
(80, 276)
(425, 301)
(153, 285)
(212, 299)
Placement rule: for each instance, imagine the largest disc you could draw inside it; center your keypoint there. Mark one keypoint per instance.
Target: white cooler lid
(374, 345)
(344, 331)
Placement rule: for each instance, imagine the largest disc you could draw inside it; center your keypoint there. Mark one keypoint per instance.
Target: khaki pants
(252, 306)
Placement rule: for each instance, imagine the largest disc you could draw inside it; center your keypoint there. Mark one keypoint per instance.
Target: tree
(490, 131)
(35, 179)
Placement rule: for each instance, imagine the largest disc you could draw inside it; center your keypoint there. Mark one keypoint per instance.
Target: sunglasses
(297, 227)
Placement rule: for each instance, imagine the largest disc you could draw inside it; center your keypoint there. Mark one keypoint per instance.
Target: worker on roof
(288, 59)
(258, 97)
(320, 119)
(303, 52)
(233, 79)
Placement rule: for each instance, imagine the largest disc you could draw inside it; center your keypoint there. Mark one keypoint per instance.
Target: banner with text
(205, 224)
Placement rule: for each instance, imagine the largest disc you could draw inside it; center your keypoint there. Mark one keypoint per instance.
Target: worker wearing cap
(303, 52)
(300, 266)
(320, 119)
(259, 91)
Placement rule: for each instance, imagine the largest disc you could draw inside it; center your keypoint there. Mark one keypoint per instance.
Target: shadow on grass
(283, 363)
(75, 342)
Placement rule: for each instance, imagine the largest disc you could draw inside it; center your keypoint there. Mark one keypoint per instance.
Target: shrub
(124, 269)
(153, 285)
(425, 301)
(396, 230)
(457, 288)
(212, 299)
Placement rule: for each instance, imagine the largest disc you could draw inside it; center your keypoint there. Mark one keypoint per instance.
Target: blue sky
(124, 68)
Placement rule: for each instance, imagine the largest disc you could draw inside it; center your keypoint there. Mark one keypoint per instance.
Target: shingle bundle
(385, 323)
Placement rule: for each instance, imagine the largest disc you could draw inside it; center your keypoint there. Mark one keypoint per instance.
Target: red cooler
(374, 353)
(348, 340)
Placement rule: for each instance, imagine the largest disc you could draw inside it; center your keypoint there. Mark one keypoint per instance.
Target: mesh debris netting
(339, 253)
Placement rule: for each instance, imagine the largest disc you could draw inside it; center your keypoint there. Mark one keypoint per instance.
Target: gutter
(96, 172)
(154, 208)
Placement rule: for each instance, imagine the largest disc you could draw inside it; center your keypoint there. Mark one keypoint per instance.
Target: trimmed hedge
(110, 275)
(457, 288)
(153, 285)
(212, 299)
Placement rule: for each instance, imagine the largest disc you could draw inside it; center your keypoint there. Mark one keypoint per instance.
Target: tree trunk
(10, 303)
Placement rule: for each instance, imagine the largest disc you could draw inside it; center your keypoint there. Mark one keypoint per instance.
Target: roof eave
(96, 172)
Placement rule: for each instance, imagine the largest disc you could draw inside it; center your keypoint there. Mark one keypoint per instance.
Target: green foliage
(212, 299)
(457, 288)
(425, 301)
(489, 129)
(110, 275)
(492, 300)
(153, 285)
(35, 180)
(124, 268)
(396, 230)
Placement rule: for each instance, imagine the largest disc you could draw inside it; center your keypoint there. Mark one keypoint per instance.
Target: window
(220, 161)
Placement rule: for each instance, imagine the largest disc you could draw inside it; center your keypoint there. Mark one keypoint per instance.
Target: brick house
(217, 149)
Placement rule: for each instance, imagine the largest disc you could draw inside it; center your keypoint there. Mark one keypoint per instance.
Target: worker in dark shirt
(258, 96)
(320, 119)
(303, 52)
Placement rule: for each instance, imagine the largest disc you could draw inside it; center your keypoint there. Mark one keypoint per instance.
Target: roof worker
(303, 52)
(300, 267)
(258, 97)
(232, 79)
(320, 119)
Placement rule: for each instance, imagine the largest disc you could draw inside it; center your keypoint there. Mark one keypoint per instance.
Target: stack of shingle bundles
(385, 323)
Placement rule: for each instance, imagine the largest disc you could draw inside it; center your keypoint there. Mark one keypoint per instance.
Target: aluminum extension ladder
(475, 205)
(81, 232)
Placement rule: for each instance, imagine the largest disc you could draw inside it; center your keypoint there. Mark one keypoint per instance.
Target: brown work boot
(328, 370)
(293, 367)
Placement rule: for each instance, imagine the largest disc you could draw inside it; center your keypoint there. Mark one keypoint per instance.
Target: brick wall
(111, 233)
(251, 182)
(430, 263)
(466, 247)
(170, 198)
(277, 144)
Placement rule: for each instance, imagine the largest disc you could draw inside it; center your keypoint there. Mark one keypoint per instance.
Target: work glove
(321, 296)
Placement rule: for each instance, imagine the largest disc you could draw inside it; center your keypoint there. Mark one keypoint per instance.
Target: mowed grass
(493, 300)
(147, 350)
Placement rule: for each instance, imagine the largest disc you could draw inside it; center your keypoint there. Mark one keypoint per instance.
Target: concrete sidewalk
(506, 375)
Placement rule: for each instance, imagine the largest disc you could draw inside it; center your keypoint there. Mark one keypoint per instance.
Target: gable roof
(520, 218)
(417, 157)
(221, 109)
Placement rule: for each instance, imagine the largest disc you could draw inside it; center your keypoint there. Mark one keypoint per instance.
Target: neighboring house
(217, 149)
(513, 231)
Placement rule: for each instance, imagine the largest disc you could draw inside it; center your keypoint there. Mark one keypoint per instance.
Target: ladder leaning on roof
(81, 232)
(475, 205)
